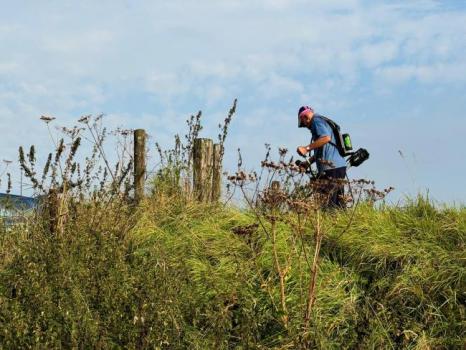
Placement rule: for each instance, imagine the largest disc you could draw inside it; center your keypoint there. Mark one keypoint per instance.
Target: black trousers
(334, 190)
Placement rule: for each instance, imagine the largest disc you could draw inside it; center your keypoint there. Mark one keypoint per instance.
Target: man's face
(305, 118)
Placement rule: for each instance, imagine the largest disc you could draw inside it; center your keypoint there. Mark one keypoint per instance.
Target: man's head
(305, 114)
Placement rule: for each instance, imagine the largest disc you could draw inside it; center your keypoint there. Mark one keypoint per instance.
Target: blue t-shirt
(329, 153)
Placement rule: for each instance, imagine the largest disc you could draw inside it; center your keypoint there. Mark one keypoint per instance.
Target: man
(330, 164)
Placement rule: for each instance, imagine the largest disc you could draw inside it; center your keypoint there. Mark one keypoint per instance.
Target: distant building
(13, 208)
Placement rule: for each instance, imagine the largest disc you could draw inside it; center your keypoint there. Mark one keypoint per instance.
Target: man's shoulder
(319, 121)
(319, 118)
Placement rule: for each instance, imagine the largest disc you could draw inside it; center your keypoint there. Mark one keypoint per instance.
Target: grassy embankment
(173, 275)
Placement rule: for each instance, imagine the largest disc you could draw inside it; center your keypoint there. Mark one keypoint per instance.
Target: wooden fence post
(52, 204)
(139, 164)
(202, 169)
(217, 173)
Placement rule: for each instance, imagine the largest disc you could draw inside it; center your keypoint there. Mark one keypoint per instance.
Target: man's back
(329, 152)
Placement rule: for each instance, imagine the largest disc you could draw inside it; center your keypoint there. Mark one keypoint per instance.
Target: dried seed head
(47, 119)
(84, 119)
(282, 151)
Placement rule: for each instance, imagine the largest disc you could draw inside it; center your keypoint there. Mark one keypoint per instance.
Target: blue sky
(391, 73)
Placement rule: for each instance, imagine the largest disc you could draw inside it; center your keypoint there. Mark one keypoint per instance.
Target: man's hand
(302, 150)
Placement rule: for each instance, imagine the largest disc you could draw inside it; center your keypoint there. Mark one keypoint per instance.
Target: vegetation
(173, 273)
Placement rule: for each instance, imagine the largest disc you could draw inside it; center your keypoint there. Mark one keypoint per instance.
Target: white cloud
(373, 55)
(169, 57)
(276, 86)
(168, 84)
(434, 73)
(78, 43)
(8, 67)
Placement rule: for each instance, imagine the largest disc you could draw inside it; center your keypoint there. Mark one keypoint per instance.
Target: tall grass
(172, 273)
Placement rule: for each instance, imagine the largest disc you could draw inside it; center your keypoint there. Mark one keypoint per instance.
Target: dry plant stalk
(65, 179)
(315, 265)
(282, 272)
(284, 190)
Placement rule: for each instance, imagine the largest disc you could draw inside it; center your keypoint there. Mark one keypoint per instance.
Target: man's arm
(303, 150)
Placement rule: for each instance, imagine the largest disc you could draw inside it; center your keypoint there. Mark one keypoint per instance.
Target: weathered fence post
(202, 169)
(52, 204)
(139, 164)
(217, 172)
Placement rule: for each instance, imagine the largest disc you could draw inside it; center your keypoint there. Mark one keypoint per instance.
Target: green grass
(411, 262)
(173, 275)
